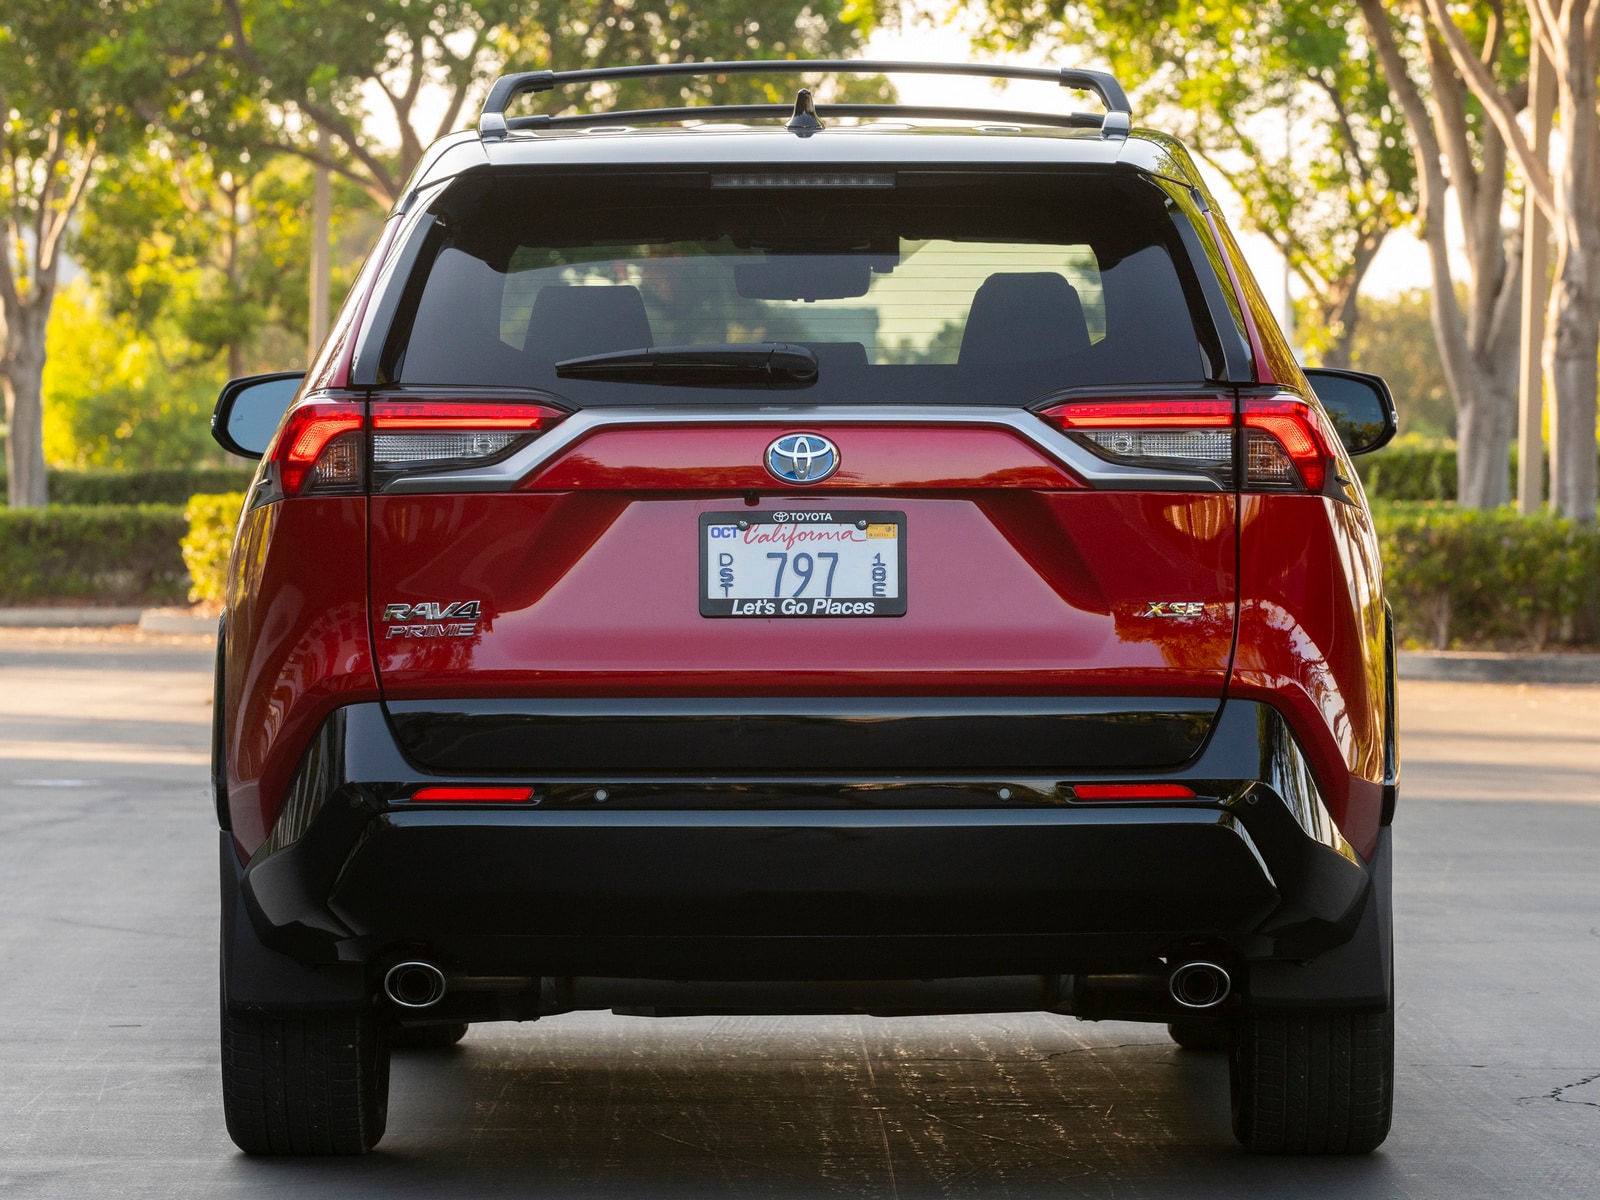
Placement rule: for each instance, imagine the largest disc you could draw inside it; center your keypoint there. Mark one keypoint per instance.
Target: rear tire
(427, 1037)
(1199, 1035)
(1313, 1083)
(313, 1084)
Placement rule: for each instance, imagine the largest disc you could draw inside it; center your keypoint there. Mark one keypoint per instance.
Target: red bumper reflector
(1132, 791)
(475, 795)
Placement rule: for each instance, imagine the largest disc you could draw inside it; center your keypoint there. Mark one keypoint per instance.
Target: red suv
(805, 559)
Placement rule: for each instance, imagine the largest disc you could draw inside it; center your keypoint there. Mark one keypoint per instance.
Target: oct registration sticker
(804, 563)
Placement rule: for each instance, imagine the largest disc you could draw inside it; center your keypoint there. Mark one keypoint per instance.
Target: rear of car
(722, 570)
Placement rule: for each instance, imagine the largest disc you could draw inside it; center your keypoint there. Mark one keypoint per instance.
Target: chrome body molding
(504, 475)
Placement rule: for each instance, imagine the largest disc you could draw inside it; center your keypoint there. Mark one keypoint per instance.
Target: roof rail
(492, 123)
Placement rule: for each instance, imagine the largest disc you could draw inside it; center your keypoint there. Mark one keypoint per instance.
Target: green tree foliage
(109, 398)
(212, 519)
(216, 272)
(321, 78)
(197, 241)
(1282, 99)
(60, 109)
(199, 264)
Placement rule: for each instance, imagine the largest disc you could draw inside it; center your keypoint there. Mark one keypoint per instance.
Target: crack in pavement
(1557, 1094)
(1054, 1054)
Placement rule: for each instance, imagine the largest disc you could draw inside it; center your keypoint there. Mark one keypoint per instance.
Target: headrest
(1024, 317)
(573, 322)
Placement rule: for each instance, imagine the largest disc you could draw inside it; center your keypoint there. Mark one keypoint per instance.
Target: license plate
(806, 563)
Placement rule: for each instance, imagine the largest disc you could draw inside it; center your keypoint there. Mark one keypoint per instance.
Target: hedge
(1419, 472)
(1488, 578)
(212, 520)
(141, 487)
(105, 554)
(1409, 473)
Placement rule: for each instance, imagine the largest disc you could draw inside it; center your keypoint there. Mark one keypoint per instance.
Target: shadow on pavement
(1032, 1106)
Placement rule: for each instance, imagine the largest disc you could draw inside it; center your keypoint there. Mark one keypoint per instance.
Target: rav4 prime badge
(435, 620)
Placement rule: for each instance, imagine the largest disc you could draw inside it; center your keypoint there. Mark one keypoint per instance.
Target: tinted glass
(1359, 408)
(977, 290)
(257, 409)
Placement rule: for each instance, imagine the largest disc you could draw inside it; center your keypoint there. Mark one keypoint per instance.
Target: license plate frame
(803, 607)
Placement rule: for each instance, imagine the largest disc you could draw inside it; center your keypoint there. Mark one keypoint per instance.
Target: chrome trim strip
(1097, 472)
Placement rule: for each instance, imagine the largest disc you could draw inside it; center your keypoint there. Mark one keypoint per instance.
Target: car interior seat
(574, 322)
(1024, 316)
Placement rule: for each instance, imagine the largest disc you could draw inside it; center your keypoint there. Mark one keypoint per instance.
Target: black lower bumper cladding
(937, 875)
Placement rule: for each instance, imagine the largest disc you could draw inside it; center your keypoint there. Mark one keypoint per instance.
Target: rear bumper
(768, 878)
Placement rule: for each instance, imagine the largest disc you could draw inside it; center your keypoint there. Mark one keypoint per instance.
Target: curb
(69, 617)
(1477, 666)
(175, 620)
(149, 620)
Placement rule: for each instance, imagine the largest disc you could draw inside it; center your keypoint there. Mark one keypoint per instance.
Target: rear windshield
(971, 289)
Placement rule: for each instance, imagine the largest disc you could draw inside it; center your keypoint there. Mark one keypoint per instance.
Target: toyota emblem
(802, 458)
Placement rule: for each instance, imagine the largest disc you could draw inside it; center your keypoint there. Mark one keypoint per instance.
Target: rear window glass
(977, 289)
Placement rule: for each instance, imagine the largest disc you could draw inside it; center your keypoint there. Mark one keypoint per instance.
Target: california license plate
(805, 563)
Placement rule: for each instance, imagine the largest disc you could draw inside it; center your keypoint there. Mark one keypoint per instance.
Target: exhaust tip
(414, 984)
(1199, 985)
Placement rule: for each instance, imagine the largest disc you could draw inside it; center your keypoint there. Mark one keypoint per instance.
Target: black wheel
(427, 1037)
(1313, 1083)
(313, 1084)
(1199, 1035)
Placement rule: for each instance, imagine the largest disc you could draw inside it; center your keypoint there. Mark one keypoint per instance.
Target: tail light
(318, 449)
(1192, 436)
(332, 448)
(1287, 445)
(437, 435)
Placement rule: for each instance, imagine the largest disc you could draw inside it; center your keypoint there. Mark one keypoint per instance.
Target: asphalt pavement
(108, 1076)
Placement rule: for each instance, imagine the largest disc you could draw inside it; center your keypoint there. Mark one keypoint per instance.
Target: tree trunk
(1572, 338)
(1573, 483)
(1341, 307)
(1483, 446)
(1483, 453)
(1487, 408)
(1477, 342)
(1572, 197)
(1570, 351)
(22, 379)
(1342, 316)
(1480, 363)
(321, 221)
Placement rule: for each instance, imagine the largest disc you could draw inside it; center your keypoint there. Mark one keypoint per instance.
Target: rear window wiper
(744, 364)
